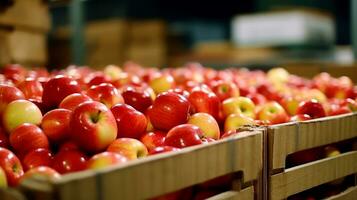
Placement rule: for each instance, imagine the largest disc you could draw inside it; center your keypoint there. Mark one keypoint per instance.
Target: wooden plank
(303, 177)
(292, 137)
(27, 14)
(10, 194)
(246, 194)
(349, 194)
(164, 173)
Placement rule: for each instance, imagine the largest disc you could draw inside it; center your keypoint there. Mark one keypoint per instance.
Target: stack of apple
(78, 118)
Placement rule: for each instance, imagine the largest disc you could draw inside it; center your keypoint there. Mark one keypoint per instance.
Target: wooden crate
(11, 194)
(293, 137)
(161, 174)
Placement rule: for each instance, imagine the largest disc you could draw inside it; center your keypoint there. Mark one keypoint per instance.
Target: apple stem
(95, 117)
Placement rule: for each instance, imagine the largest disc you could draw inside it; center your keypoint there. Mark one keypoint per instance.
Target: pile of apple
(79, 118)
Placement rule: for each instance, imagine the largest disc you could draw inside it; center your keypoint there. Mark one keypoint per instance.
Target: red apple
(299, 118)
(9, 94)
(257, 99)
(105, 159)
(31, 88)
(153, 139)
(19, 112)
(162, 149)
(128, 147)
(55, 124)
(4, 140)
(69, 161)
(206, 123)
(42, 173)
(184, 135)
(168, 110)
(137, 97)
(313, 108)
(68, 146)
(205, 101)
(273, 112)
(105, 93)
(57, 88)
(11, 166)
(98, 78)
(73, 100)
(225, 90)
(37, 157)
(93, 126)
(15, 72)
(3, 180)
(28, 137)
(131, 123)
(303, 157)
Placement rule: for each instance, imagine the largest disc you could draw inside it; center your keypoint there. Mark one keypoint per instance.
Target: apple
(299, 118)
(331, 151)
(273, 112)
(73, 100)
(153, 139)
(162, 83)
(184, 135)
(11, 166)
(4, 140)
(8, 94)
(69, 161)
(55, 124)
(168, 110)
(290, 104)
(238, 105)
(225, 90)
(27, 137)
(105, 159)
(37, 157)
(278, 75)
(98, 78)
(336, 109)
(257, 99)
(3, 180)
(57, 88)
(112, 71)
(128, 147)
(31, 88)
(138, 97)
(68, 146)
(162, 149)
(206, 123)
(20, 111)
(15, 72)
(93, 126)
(236, 120)
(105, 93)
(42, 173)
(302, 157)
(205, 101)
(312, 107)
(131, 123)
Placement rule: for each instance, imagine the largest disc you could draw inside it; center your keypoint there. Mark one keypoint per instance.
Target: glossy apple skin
(168, 110)
(55, 124)
(73, 100)
(131, 123)
(207, 124)
(31, 88)
(93, 126)
(3, 180)
(139, 98)
(128, 147)
(57, 88)
(273, 112)
(225, 90)
(19, 112)
(184, 135)
(312, 108)
(27, 137)
(238, 105)
(37, 157)
(105, 159)
(4, 139)
(162, 149)
(15, 72)
(68, 146)
(299, 118)
(105, 93)
(42, 172)
(11, 166)
(69, 161)
(162, 83)
(205, 101)
(153, 139)
(235, 121)
(9, 94)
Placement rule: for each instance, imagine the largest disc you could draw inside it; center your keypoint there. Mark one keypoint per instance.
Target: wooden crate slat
(302, 177)
(246, 193)
(349, 194)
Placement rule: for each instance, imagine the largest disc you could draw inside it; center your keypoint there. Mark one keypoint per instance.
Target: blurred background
(161, 33)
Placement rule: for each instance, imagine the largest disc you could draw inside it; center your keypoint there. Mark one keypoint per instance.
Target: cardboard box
(289, 138)
(23, 47)
(26, 14)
